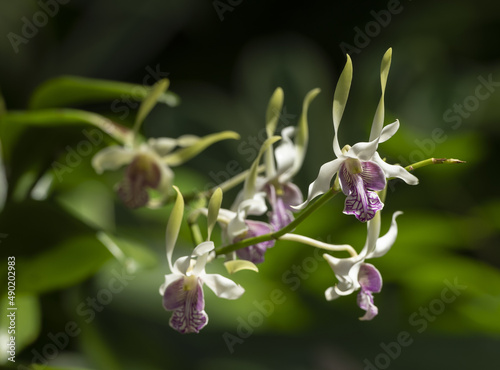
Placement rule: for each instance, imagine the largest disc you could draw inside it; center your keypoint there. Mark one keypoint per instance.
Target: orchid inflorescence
(358, 171)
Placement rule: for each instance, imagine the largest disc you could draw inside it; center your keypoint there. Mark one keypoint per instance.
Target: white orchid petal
(203, 248)
(181, 265)
(112, 158)
(363, 151)
(322, 183)
(385, 242)
(162, 145)
(223, 287)
(389, 131)
(346, 271)
(285, 154)
(393, 170)
(331, 294)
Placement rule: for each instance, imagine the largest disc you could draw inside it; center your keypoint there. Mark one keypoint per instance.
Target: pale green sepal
(273, 111)
(378, 119)
(272, 116)
(302, 132)
(249, 187)
(149, 102)
(213, 210)
(174, 225)
(340, 101)
(182, 155)
(239, 265)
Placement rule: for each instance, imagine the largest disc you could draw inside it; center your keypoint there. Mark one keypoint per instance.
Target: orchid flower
(354, 274)
(149, 163)
(284, 162)
(361, 171)
(183, 288)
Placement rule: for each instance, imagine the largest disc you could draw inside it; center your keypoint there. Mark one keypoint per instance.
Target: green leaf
(340, 99)
(131, 254)
(3, 180)
(69, 90)
(239, 265)
(182, 155)
(378, 120)
(249, 187)
(27, 323)
(302, 132)
(56, 117)
(64, 265)
(213, 210)
(174, 224)
(149, 102)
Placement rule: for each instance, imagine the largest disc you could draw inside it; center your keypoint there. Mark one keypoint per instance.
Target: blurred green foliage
(225, 72)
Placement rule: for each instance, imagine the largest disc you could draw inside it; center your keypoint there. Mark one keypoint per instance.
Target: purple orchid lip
(255, 253)
(141, 173)
(281, 214)
(359, 180)
(370, 280)
(185, 298)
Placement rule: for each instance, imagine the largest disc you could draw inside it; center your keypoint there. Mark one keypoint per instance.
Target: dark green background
(225, 71)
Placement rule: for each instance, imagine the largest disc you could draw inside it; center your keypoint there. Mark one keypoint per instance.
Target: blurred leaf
(3, 180)
(66, 264)
(92, 203)
(69, 90)
(56, 117)
(129, 253)
(27, 318)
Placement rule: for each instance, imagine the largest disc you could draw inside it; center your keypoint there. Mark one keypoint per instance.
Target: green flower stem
(277, 234)
(316, 243)
(54, 117)
(195, 233)
(429, 161)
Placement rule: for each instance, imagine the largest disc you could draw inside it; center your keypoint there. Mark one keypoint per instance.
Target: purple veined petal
(365, 302)
(292, 195)
(385, 242)
(185, 298)
(169, 279)
(369, 278)
(373, 176)
(359, 201)
(393, 170)
(280, 215)
(370, 281)
(223, 287)
(323, 182)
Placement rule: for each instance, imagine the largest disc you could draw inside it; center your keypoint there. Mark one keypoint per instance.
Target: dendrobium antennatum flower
(355, 274)
(183, 288)
(149, 163)
(361, 171)
(283, 163)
